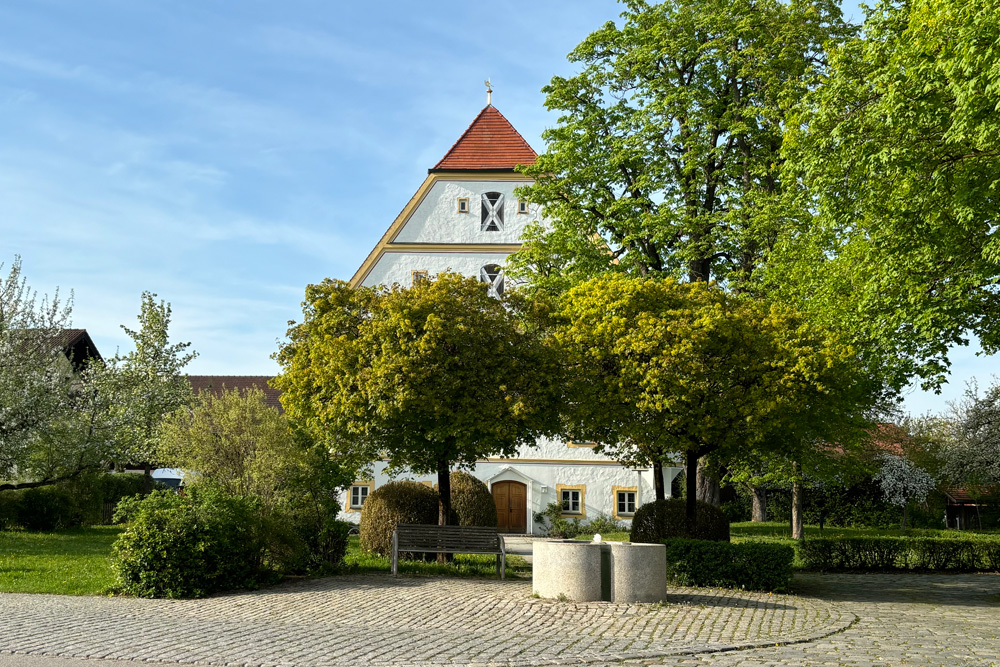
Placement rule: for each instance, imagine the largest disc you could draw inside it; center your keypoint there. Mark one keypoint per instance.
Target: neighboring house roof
(216, 384)
(489, 144)
(77, 345)
(890, 439)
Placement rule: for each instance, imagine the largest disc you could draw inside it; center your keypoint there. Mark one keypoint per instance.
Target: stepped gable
(489, 144)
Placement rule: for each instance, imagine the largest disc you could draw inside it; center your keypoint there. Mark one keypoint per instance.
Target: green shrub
(930, 553)
(666, 519)
(603, 525)
(10, 501)
(855, 553)
(392, 504)
(756, 566)
(189, 546)
(472, 501)
(872, 554)
(555, 525)
(48, 508)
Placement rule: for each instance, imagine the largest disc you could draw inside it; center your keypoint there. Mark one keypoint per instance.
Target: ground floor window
(624, 502)
(572, 499)
(357, 496)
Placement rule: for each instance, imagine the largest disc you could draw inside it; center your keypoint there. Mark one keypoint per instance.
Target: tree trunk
(759, 504)
(147, 485)
(444, 500)
(798, 530)
(906, 506)
(709, 487)
(661, 493)
(691, 491)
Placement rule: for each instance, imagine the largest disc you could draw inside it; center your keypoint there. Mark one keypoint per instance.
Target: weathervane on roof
(489, 92)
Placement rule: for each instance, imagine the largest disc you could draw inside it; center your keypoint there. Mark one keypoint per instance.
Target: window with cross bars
(492, 275)
(492, 212)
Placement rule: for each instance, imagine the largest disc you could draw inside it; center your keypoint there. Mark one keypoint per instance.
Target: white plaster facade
(543, 469)
(437, 219)
(436, 233)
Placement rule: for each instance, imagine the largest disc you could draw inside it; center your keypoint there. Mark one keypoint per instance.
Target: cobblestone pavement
(932, 620)
(377, 620)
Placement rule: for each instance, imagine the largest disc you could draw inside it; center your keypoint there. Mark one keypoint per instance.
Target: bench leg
(503, 564)
(395, 554)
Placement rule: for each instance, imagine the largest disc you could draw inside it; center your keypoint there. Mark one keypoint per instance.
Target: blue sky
(224, 154)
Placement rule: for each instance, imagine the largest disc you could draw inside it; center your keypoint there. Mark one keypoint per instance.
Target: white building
(465, 218)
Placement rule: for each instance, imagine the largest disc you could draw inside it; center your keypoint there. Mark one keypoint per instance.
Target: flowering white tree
(62, 417)
(34, 372)
(903, 482)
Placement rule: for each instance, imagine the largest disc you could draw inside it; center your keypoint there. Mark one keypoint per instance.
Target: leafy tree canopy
(661, 368)
(898, 157)
(665, 158)
(430, 377)
(64, 417)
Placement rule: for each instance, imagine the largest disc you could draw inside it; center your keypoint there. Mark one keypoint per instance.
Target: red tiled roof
(216, 384)
(489, 143)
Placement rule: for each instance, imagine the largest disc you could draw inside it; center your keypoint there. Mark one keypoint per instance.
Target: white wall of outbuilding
(576, 467)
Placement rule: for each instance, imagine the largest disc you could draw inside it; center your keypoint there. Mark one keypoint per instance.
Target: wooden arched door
(511, 499)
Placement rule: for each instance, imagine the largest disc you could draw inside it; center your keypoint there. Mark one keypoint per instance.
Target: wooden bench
(420, 538)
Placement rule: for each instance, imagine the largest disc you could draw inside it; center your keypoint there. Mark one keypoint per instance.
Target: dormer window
(492, 212)
(492, 275)
(522, 206)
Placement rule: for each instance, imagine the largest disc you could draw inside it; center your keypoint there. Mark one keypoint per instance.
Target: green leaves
(666, 154)
(660, 367)
(436, 373)
(898, 155)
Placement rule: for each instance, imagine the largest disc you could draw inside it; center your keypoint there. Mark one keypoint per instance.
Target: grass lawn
(464, 565)
(77, 562)
(68, 562)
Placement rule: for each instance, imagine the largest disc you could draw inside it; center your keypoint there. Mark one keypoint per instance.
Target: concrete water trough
(592, 571)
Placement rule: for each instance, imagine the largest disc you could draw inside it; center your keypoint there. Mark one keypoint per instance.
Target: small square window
(359, 494)
(626, 503)
(522, 206)
(573, 498)
(463, 204)
(418, 276)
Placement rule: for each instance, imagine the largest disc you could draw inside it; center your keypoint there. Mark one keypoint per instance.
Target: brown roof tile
(489, 144)
(216, 384)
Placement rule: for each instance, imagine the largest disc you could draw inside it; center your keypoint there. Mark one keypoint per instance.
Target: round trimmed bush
(471, 501)
(665, 519)
(393, 504)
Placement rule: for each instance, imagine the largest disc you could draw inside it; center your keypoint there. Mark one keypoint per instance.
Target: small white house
(465, 218)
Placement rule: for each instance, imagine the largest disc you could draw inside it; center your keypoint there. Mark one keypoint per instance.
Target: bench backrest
(414, 537)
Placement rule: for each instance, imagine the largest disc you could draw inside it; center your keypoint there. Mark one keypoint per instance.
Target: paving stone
(378, 620)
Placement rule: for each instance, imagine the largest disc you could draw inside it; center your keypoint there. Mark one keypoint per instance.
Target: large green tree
(661, 368)
(897, 155)
(666, 156)
(432, 377)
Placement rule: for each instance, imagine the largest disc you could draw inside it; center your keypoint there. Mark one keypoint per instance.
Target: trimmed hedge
(667, 519)
(392, 504)
(879, 554)
(69, 504)
(471, 501)
(756, 566)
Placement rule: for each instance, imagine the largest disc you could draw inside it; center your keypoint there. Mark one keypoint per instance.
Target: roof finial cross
(489, 92)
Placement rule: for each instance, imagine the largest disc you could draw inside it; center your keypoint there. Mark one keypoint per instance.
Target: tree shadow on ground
(968, 590)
